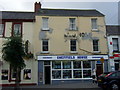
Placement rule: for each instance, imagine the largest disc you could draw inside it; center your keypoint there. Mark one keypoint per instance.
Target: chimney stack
(37, 6)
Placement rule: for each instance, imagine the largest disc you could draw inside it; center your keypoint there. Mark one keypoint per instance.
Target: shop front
(68, 68)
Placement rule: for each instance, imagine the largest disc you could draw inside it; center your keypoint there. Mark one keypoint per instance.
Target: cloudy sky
(108, 7)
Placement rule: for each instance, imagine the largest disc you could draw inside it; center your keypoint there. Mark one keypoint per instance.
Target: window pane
(45, 45)
(45, 48)
(67, 74)
(86, 73)
(86, 64)
(27, 74)
(66, 64)
(1, 29)
(45, 23)
(77, 74)
(13, 75)
(95, 45)
(73, 45)
(115, 44)
(94, 23)
(76, 64)
(17, 29)
(72, 23)
(56, 74)
(4, 75)
(56, 64)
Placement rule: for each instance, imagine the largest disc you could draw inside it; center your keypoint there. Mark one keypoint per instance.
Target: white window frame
(72, 45)
(94, 24)
(72, 23)
(117, 44)
(16, 28)
(72, 71)
(45, 25)
(43, 45)
(96, 46)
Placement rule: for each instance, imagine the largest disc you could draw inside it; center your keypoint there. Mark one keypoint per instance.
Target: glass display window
(56, 74)
(86, 64)
(27, 74)
(77, 73)
(66, 64)
(76, 64)
(4, 75)
(56, 64)
(86, 73)
(67, 74)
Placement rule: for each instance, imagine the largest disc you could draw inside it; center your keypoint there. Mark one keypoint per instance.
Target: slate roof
(68, 12)
(17, 15)
(6, 15)
(113, 29)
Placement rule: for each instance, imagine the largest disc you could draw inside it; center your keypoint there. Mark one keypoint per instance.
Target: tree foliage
(13, 52)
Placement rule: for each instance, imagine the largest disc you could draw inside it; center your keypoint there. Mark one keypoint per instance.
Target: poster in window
(27, 74)
(4, 75)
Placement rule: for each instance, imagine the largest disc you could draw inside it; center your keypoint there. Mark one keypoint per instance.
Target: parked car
(109, 80)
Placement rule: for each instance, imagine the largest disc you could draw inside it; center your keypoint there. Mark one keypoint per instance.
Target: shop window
(77, 74)
(4, 75)
(86, 64)
(73, 45)
(46, 62)
(76, 64)
(13, 75)
(67, 74)
(56, 74)
(86, 73)
(17, 29)
(115, 44)
(71, 69)
(56, 64)
(27, 74)
(66, 64)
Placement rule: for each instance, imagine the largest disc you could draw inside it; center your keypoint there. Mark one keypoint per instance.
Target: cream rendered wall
(28, 29)
(59, 25)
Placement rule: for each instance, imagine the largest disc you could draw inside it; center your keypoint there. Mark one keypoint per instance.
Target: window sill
(45, 29)
(95, 30)
(96, 52)
(73, 52)
(45, 52)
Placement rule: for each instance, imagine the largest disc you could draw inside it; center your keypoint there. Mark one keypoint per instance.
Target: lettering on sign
(65, 57)
(82, 34)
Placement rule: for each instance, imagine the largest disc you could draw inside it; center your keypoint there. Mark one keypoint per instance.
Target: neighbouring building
(113, 36)
(22, 24)
(69, 44)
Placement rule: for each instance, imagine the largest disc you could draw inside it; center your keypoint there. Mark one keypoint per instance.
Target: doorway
(99, 69)
(47, 75)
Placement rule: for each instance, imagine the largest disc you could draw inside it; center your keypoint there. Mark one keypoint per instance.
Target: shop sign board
(72, 57)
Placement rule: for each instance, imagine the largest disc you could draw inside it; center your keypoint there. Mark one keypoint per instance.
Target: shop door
(99, 69)
(47, 75)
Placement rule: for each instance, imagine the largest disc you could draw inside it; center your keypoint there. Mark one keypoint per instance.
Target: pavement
(71, 86)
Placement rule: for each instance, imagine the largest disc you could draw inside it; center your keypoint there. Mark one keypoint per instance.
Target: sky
(108, 7)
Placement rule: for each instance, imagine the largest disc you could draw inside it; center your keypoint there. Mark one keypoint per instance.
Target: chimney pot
(37, 6)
